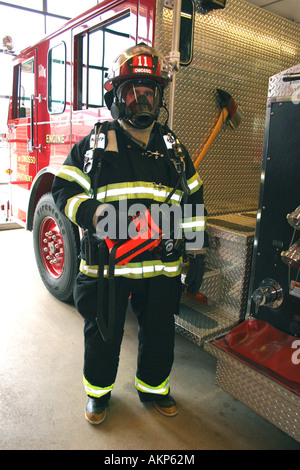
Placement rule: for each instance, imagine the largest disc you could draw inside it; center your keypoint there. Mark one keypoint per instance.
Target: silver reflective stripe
(196, 223)
(137, 190)
(193, 224)
(137, 270)
(194, 183)
(96, 391)
(91, 271)
(162, 389)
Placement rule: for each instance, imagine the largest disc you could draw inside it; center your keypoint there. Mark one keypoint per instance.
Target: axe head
(235, 114)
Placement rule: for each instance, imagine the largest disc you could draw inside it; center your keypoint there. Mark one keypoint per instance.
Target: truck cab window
(186, 32)
(24, 88)
(95, 51)
(57, 79)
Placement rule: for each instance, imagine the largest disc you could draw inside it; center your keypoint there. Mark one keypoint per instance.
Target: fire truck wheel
(56, 248)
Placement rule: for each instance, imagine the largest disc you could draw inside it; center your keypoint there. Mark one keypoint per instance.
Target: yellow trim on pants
(162, 389)
(94, 391)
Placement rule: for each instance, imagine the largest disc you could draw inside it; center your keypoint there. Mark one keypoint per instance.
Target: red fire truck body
(46, 115)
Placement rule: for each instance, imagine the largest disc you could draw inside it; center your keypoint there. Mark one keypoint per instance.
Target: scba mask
(137, 102)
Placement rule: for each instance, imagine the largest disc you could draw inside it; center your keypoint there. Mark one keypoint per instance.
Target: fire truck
(247, 313)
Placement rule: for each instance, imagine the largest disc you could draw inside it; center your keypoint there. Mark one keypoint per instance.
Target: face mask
(139, 102)
(142, 112)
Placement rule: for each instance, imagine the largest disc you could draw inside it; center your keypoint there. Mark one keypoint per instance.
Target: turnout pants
(154, 301)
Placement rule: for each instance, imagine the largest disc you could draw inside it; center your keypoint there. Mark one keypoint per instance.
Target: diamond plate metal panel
(279, 88)
(275, 403)
(236, 49)
(198, 323)
(231, 241)
(226, 281)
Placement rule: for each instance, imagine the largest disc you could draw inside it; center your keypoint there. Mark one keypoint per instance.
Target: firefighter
(132, 161)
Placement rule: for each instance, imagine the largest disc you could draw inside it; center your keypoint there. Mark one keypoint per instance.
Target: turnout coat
(130, 173)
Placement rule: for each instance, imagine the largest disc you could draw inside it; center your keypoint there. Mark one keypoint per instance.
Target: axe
(229, 112)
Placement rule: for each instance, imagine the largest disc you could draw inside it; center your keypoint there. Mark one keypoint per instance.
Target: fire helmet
(134, 89)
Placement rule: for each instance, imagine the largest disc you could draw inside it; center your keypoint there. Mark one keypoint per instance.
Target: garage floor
(41, 391)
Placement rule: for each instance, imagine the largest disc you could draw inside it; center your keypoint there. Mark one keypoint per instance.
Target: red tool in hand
(148, 236)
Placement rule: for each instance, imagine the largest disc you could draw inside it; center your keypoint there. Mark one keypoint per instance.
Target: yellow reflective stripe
(194, 183)
(137, 190)
(193, 224)
(143, 269)
(94, 391)
(73, 174)
(162, 389)
(73, 205)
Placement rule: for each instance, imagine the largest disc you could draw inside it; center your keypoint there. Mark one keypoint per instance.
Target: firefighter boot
(95, 410)
(166, 405)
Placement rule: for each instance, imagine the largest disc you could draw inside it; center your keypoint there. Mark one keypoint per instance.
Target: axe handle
(221, 120)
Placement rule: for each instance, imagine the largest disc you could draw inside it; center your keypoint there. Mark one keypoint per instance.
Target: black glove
(195, 274)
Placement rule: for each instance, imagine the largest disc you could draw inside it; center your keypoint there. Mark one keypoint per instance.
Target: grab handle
(30, 143)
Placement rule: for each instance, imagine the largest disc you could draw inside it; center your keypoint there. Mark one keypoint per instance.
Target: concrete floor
(41, 391)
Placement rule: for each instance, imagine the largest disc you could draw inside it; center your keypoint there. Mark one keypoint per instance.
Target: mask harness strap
(106, 328)
(177, 157)
(92, 167)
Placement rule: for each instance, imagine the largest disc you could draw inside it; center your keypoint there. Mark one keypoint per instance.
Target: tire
(56, 248)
